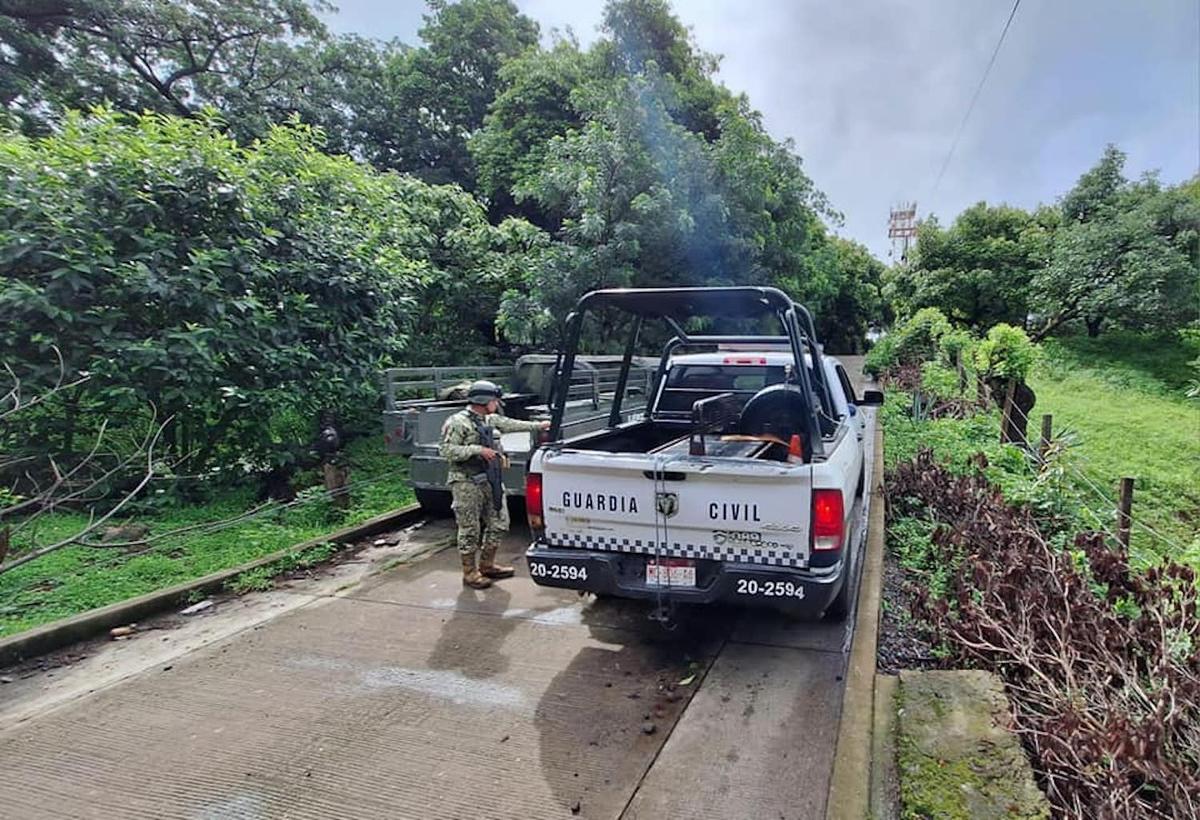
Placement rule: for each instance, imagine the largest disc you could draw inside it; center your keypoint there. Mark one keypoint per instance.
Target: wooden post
(335, 479)
(1047, 432)
(1006, 412)
(1125, 511)
(3, 544)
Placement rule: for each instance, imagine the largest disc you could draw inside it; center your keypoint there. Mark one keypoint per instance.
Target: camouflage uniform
(480, 524)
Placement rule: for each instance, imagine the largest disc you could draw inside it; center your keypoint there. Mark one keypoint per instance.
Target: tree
(259, 62)
(160, 55)
(646, 32)
(1126, 253)
(431, 100)
(238, 290)
(531, 108)
(843, 319)
(979, 270)
(651, 174)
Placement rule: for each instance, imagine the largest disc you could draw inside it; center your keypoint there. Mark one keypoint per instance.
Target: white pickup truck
(737, 485)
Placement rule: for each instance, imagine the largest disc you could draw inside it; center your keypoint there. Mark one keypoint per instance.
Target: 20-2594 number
(769, 589)
(561, 572)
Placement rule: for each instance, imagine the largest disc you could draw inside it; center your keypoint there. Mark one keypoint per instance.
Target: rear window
(688, 383)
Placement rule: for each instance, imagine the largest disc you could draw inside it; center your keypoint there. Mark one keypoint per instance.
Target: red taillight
(828, 520)
(745, 360)
(533, 500)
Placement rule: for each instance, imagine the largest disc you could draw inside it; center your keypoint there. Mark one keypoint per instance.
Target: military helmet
(481, 392)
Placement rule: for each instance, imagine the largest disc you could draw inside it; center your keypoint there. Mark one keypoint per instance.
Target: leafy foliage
(979, 271)
(914, 341)
(161, 56)
(1006, 353)
(1115, 253)
(416, 112)
(650, 174)
(938, 381)
(1127, 253)
(241, 290)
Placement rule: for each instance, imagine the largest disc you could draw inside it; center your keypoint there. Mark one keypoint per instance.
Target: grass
(1121, 397)
(76, 579)
(263, 578)
(953, 441)
(1119, 406)
(1156, 364)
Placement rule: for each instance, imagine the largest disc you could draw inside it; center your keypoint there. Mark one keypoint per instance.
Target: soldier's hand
(488, 454)
(545, 425)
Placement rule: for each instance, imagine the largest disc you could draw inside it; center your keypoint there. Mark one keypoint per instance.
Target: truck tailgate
(684, 507)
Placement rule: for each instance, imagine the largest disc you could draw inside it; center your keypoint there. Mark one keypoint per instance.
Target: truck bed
(673, 438)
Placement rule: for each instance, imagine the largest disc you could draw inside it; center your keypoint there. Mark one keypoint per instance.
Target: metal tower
(902, 229)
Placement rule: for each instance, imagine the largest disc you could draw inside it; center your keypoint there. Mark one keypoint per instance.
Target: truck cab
(736, 484)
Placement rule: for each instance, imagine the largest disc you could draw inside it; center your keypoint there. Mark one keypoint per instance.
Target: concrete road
(408, 696)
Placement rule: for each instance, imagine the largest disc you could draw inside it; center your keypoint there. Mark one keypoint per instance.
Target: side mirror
(872, 397)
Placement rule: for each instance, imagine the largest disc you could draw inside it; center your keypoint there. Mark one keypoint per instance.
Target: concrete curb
(86, 625)
(849, 786)
(885, 783)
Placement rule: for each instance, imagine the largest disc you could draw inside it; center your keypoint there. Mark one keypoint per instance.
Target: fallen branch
(93, 522)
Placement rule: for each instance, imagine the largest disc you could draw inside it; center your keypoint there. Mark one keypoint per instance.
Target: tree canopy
(243, 288)
(1114, 251)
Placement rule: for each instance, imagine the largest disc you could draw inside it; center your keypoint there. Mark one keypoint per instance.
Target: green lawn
(1122, 398)
(76, 579)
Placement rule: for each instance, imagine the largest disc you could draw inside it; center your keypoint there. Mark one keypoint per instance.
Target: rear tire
(841, 605)
(434, 502)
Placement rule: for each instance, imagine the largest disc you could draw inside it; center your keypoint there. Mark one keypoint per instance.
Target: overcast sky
(873, 91)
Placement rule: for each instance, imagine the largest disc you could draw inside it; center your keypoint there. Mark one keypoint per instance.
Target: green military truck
(418, 400)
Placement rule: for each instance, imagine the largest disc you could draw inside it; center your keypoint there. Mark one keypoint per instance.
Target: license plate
(673, 572)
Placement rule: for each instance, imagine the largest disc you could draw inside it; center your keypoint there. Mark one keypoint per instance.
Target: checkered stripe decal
(740, 554)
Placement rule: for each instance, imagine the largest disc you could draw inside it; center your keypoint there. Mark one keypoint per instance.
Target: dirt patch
(903, 643)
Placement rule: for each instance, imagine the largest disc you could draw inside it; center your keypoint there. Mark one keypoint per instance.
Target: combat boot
(471, 576)
(488, 566)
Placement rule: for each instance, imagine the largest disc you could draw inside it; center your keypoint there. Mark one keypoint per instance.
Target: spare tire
(778, 410)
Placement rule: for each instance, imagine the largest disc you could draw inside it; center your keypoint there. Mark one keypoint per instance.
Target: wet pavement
(407, 695)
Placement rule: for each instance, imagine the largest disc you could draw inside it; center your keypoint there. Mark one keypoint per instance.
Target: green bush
(881, 356)
(235, 289)
(917, 339)
(955, 345)
(1006, 353)
(939, 381)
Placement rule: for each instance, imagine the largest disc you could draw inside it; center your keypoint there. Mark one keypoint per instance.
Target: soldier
(471, 443)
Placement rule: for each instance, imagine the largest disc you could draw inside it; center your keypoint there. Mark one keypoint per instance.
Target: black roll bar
(614, 416)
(671, 303)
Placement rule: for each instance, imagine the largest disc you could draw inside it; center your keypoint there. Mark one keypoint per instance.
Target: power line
(962, 126)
